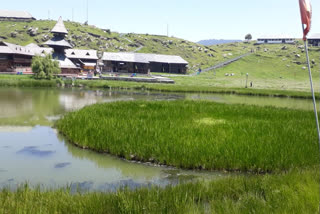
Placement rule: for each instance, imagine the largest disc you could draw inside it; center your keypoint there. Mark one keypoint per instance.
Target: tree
(44, 67)
(248, 37)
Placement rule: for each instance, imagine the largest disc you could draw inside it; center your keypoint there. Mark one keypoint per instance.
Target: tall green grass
(293, 192)
(197, 134)
(26, 82)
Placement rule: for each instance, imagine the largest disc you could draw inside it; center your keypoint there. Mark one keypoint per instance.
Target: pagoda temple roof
(59, 27)
(58, 42)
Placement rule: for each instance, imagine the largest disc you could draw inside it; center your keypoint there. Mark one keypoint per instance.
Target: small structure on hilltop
(143, 63)
(276, 39)
(314, 39)
(16, 58)
(8, 15)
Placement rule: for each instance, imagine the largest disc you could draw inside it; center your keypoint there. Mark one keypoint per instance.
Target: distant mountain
(216, 41)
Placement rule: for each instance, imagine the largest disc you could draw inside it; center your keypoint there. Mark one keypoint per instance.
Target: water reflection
(31, 151)
(41, 156)
(34, 151)
(30, 107)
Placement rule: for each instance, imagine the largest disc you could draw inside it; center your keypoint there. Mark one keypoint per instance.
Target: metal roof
(58, 41)
(314, 36)
(142, 58)
(64, 62)
(15, 14)
(59, 27)
(81, 54)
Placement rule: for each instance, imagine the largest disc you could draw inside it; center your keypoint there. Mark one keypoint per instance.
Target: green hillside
(276, 67)
(90, 37)
(270, 67)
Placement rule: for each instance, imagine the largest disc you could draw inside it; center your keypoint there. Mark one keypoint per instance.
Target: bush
(45, 67)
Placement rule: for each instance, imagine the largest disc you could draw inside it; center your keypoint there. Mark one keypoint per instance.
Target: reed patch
(197, 134)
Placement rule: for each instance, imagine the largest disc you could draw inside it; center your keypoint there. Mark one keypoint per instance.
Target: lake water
(32, 151)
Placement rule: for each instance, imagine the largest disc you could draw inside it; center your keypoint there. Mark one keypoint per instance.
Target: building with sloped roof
(15, 58)
(125, 62)
(276, 39)
(9, 15)
(314, 39)
(60, 45)
(86, 59)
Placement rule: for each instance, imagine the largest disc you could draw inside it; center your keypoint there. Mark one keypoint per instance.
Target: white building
(276, 39)
(314, 39)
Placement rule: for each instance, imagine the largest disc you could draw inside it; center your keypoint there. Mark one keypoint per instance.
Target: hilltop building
(314, 39)
(276, 39)
(124, 62)
(7, 15)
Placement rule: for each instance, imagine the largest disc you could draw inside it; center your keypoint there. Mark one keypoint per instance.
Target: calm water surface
(31, 151)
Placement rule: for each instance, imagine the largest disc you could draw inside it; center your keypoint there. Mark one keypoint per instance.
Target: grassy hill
(279, 67)
(90, 37)
(270, 67)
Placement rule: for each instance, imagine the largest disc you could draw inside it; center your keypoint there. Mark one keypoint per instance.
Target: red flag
(306, 13)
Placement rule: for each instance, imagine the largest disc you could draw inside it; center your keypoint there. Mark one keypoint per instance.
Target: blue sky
(193, 20)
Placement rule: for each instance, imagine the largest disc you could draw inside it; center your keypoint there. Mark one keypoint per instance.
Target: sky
(192, 20)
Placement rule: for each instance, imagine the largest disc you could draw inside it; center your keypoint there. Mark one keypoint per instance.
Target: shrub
(45, 67)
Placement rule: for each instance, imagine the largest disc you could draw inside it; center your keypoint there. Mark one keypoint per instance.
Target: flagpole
(313, 95)
(312, 90)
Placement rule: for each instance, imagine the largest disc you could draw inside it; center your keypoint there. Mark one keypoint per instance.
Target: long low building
(16, 58)
(276, 39)
(9, 15)
(314, 39)
(125, 62)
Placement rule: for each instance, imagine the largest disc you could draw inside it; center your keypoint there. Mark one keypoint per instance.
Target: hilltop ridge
(90, 37)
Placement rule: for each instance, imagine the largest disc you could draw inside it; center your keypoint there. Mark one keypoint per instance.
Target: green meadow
(197, 134)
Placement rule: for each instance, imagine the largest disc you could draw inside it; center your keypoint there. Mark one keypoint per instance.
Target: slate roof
(59, 27)
(15, 14)
(124, 57)
(58, 41)
(64, 62)
(9, 48)
(143, 58)
(81, 54)
(39, 50)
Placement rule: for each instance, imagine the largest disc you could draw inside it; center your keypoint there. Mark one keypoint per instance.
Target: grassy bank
(25, 81)
(204, 83)
(294, 192)
(197, 134)
(194, 88)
